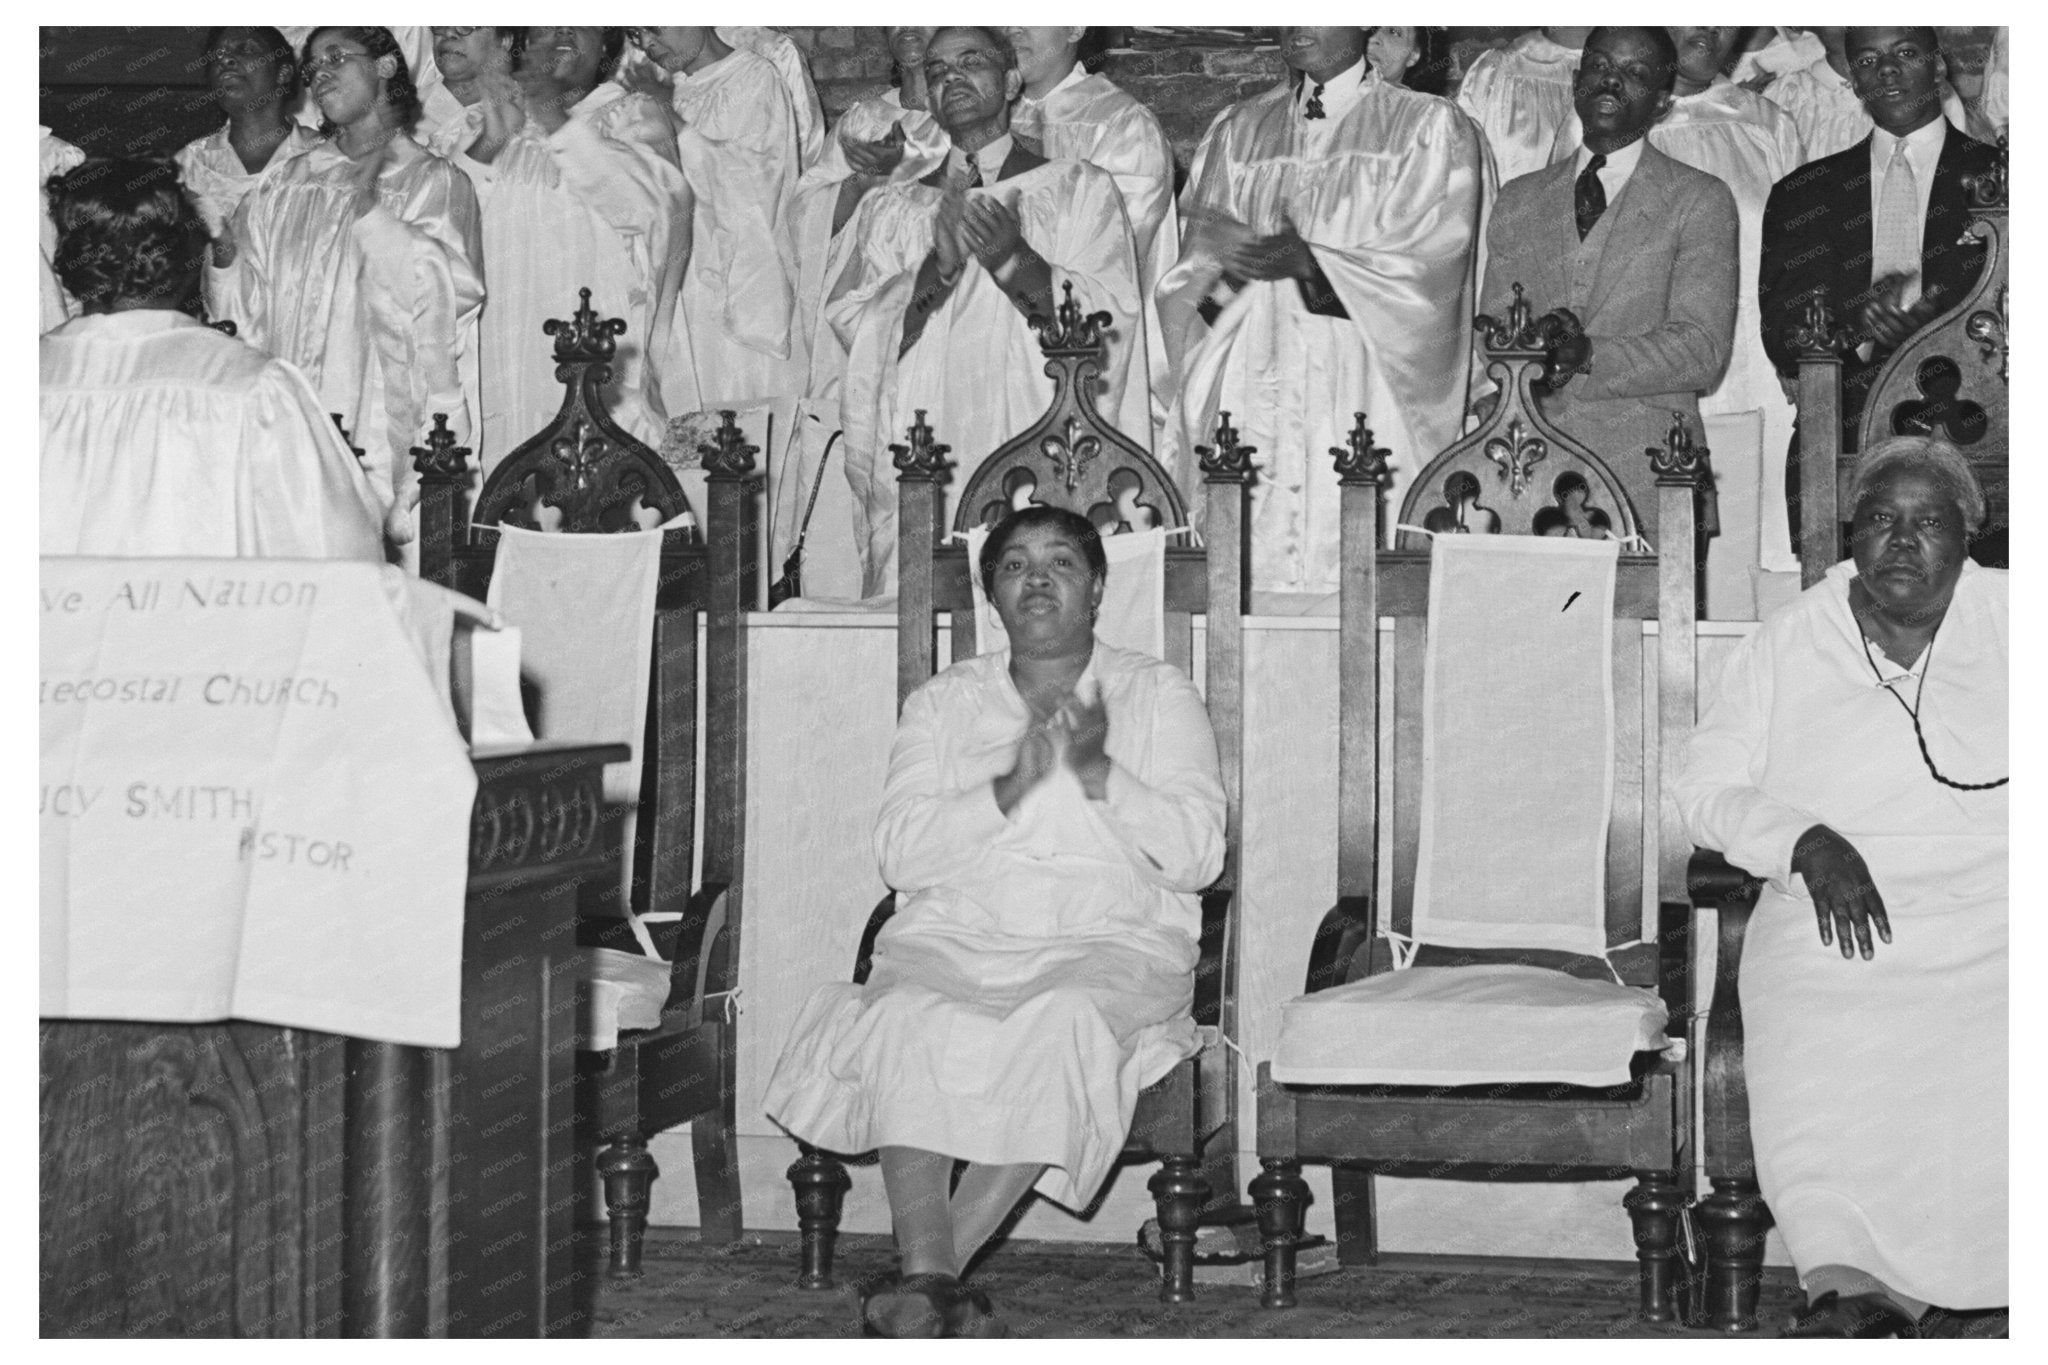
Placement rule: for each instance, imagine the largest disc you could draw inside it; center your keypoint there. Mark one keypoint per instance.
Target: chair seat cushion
(1472, 1025)
(617, 990)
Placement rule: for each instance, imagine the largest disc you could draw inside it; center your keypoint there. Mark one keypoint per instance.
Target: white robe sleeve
(1172, 826)
(301, 493)
(1717, 793)
(743, 172)
(926, 835)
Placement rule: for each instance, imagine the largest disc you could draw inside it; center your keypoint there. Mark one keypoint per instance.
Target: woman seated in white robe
(160, 435)
(1051, 813)
(1854, 756)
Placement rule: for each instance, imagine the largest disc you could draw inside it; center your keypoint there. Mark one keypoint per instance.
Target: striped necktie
(1314, 107)
(1895, 237)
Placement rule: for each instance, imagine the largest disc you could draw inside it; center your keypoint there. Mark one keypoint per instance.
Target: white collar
(1067, 82)
(1923, 144)
(989, 160)
(1620, 165)
(1340, 92)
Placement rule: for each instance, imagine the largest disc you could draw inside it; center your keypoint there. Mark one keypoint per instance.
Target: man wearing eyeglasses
(947, 268)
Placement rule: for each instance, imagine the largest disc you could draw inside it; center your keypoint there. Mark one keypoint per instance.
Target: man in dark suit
(1641, 247)
(1877, 229)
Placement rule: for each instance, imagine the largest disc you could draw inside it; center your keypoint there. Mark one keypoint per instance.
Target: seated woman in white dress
(1854, 756)
(1050, 813)
(160, 435)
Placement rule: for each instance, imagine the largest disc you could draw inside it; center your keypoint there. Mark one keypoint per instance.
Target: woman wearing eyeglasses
(359, 264)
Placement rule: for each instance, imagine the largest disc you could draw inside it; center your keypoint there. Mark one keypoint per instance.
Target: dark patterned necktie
(1589, 196)
(973, 172)
(1314, 107)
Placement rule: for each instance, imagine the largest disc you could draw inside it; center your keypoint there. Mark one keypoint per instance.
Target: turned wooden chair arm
(863, 962)
(1335, 956)
(1731, 893)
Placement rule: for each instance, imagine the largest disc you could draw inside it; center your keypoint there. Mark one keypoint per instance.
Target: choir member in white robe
(736, 338)
(1772, 52)
(1078, 117)
(359, 265)
(254, 76)
(932, 309)
(160, 435)
(416, 45)
(1051, 812)
(1749, 144)
(1326, 270)
(787, 58)
(890, 138)
(54, 156)
(1852, 755)
(1519, 95)
(1823, 103)
(465, 58)
(579, 187)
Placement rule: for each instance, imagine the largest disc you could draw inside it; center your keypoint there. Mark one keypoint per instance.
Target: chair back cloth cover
(255, 799)
(1517, 743)
(1133, 596)
(1517, 791)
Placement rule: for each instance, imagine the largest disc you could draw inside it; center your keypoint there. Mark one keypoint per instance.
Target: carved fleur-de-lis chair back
(1948, 381)
(1540, 1128)
(584, 475)
(1517, 474)
(1072, 458)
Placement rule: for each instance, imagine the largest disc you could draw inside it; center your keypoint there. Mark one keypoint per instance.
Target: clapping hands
(1074, 737)
(877, 159)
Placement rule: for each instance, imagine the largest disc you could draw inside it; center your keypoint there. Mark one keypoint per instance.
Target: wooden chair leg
(1358, 1230)
(820, 1183)
(1654, 1207)
(628, 1171)
(715, 1154)
(1280, 1196)
(1733, 1220)
(1179, 1189)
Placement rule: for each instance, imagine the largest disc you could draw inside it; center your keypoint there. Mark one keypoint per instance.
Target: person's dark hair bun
(125, 232)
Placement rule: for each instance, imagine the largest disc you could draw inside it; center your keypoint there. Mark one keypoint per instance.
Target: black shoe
(1856, 1317)
(912, 1306)
(972, 1315)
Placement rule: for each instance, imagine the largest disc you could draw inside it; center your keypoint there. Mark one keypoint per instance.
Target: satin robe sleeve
(422, 287)
(300, 491)
(741, 166)
(1172, 825)
(1689, 349)
(1135, 152)
(1717, 793)
(927, 834)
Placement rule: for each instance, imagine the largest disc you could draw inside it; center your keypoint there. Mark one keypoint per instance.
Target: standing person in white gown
(579, 187)
(1326, 268)
(254, 76)
(467, 60)
(359, 264)
(1051, 812)
(735, 338)
(1748, 144)
(1076, 116)
(1520, 95)
(160, 435)
(932, 312)
(1853, 754)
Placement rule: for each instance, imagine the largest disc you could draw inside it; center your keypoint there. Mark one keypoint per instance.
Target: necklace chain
(1913, 711)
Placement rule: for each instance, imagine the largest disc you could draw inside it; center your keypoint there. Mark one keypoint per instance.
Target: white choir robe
(1829, 117)
(380, 312)
(55, 156)
(735, 338)
(1039, 968)
(218, 182)
(1387, 197)
(1878, 1089)
(1749, 144)
(822, 255)
(600, 204)
(1087, 118)
(161, 436)
(1519, 96)
(788, 60)
(976, 369)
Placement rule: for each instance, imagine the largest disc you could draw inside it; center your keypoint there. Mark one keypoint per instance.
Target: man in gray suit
(1641, 247)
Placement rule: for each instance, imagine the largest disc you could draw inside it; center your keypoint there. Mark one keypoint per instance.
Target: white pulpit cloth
(255, 802)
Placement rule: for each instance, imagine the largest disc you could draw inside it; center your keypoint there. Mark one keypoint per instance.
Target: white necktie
(1895, 239)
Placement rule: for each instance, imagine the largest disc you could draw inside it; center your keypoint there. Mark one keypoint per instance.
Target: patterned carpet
(1059, 1289)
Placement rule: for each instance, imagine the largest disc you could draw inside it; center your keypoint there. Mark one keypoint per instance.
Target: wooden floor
(1059, 1289)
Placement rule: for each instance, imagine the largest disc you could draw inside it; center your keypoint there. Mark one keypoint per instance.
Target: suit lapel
(1023, 157)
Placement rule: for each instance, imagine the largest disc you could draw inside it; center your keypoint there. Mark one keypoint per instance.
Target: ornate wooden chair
(1515, 475)
(589, 477)
(1948, 380)
(1073, 458)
